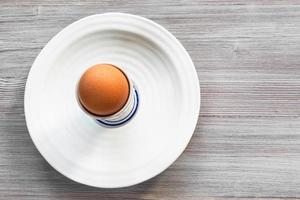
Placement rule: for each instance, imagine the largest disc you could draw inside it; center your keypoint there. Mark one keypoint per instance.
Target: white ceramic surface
(169, 92)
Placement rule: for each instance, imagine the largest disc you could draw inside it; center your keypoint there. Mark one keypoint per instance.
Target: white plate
(169, 91)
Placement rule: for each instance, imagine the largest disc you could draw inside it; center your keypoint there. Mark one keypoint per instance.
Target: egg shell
(103, 89)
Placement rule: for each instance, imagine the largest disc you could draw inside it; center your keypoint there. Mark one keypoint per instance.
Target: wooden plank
(153, 3)
(247, 141)
(240, 157)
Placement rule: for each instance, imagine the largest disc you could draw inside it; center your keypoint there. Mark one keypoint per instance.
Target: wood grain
(247, 141)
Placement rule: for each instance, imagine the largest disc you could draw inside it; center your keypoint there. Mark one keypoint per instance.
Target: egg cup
(124, 115)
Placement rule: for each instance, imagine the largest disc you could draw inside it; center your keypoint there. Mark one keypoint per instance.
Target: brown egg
(103, 89)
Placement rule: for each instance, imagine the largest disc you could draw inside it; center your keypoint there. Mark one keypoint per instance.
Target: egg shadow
(50, 182)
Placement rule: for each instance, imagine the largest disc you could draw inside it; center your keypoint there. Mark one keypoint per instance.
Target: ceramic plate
(167, 83)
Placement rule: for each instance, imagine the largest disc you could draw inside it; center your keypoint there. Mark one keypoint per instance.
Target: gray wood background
(247, 141)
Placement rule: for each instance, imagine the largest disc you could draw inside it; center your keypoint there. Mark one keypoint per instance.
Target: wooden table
(247, 141)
